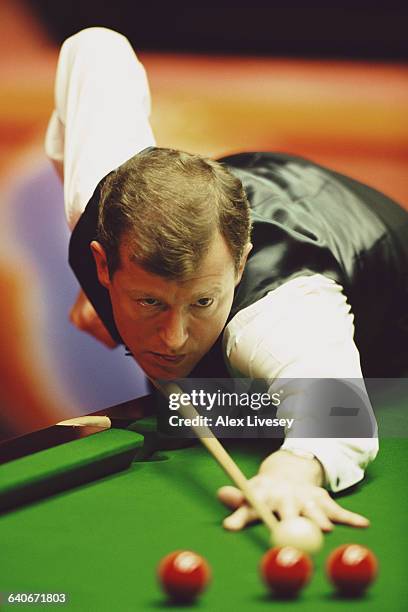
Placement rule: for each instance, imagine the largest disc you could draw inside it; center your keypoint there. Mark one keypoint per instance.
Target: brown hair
(167, 205)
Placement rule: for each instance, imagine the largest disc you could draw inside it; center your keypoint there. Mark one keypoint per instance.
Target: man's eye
(148, 302)
(204, 302)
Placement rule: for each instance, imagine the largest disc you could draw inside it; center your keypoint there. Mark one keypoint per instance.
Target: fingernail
(233, 523)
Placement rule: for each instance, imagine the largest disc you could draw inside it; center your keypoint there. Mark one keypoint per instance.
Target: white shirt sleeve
(101, 116)
(303, 329)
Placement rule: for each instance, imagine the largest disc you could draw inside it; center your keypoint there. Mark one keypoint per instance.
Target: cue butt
(103, 422)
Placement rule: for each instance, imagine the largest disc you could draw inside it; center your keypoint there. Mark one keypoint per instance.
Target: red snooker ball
(286, 570)
(352, 568)
(183, 575)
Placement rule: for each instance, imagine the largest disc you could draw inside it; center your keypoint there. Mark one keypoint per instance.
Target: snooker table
(100, 541)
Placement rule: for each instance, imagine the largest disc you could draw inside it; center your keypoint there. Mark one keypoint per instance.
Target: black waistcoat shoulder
(308, 219)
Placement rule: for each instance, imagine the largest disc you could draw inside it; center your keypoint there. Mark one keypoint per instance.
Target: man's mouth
(165, 358)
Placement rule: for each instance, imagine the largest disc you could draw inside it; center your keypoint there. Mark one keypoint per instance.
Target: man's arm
(101, 115)
(101, 119)
(302, 330)
(85, 318)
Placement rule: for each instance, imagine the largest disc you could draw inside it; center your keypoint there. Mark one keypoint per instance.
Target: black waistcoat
(306, 220)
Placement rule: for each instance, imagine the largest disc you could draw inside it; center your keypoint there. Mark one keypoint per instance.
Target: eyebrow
(214, 290)
(140, 293)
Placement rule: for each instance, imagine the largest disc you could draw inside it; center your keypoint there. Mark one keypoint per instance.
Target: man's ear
(101, 262)
(247, 250)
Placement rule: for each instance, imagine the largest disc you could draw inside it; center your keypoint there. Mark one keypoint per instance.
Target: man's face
(170, 325)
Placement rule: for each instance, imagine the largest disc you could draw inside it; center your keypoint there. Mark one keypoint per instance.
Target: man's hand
(83, 315)
(290, 486)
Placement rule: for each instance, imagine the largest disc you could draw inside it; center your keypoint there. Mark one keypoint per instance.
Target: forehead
(216, 268)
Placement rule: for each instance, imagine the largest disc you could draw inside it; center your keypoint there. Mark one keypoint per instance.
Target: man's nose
(173, 331)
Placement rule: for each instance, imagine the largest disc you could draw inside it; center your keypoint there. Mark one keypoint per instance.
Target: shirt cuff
(343, 459)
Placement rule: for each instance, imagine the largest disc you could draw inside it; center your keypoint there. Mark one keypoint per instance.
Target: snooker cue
(214, 446)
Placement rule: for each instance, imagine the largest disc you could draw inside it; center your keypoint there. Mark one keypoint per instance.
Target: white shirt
(101, 116)
(302, 329)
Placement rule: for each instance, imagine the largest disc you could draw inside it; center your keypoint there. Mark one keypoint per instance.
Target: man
(257, 266)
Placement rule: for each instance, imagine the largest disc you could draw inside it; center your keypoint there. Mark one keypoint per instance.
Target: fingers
(230, 496)
(233, 498)
(340, 515)
(313, 502)
(287, 508)
(240, 518)
(314, 512)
